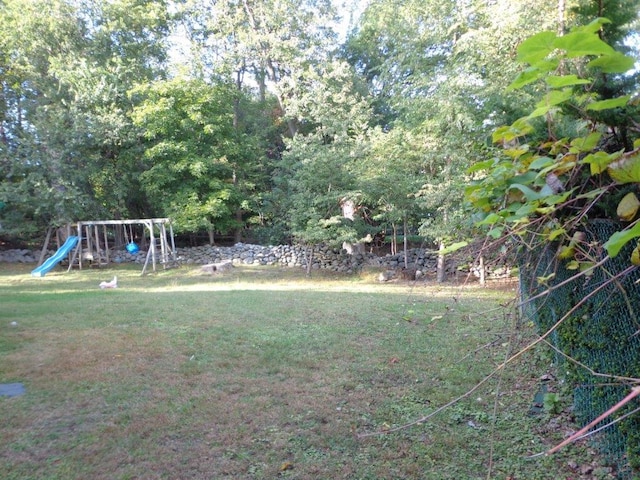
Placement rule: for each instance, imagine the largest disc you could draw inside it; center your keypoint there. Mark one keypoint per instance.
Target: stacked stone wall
(419, 261)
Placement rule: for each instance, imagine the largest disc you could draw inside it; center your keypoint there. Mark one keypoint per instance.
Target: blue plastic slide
(52, 261)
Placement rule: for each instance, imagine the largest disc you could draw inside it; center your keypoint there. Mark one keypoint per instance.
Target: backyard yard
(263, 373)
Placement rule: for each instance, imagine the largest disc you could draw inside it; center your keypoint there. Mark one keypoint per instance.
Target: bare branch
(635, 391)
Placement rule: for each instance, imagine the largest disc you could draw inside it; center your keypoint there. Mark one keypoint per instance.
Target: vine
(542, 187)
(560, 174)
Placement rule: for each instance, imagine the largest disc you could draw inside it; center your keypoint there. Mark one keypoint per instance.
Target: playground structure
(95, 243)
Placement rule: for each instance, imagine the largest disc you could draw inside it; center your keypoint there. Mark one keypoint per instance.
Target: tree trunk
(440, 273)
(405, 242)
(269, 69)
(238, 231)
(394, 240)
(562, 7)
(236, 123)
(309, 261)
(261, 78)
(349, 211)
(211, 236)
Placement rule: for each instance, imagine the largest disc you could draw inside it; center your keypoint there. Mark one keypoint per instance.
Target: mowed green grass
(262, 373)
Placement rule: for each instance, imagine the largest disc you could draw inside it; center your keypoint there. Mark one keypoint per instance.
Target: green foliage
(552, 403)
(190, 152)
(69, 149)
(550, 185)
(320, 167)
(598, 334)
(436, 71)
(561, 184)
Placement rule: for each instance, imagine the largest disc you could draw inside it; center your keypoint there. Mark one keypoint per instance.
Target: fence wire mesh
(598, 342)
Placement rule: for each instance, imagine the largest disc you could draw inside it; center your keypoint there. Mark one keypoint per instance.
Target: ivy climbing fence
(594, 320)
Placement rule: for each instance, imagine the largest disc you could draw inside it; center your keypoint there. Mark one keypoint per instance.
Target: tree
(391, 173)
(261, 47)
(319, 170)
(40, 182)
(270, 42)
(554, 183)
(434, 70)
(126, 46)
(191, 151)
(69, 144)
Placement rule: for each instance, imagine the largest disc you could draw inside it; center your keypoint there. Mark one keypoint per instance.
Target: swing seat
(132, 248)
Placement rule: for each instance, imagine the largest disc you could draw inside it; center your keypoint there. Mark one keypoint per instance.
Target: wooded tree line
(260, 118)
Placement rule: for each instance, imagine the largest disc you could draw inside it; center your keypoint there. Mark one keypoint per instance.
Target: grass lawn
(263, 373)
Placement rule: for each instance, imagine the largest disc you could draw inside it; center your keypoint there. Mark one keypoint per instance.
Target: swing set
(99, 242)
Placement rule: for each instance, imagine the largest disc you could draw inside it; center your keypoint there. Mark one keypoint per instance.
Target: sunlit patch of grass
(257, 373)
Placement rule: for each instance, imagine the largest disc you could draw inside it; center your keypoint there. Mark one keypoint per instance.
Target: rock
(220, 267)
(386, 276)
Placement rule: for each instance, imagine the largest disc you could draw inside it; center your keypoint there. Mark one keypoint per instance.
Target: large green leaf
(620, 239)
(559, 81)
(556, 97)
(531, 74)
(479, 166)
(585, 144)
(541, 162)
(627, 168)
(541, 111)
(580, 43)
(608, 104)
(526, 178)
(526, 77)
(614, 63)
(517, 129)
(596, 25)
(536, 47)
(529, 194)
(551, 100)
(599, 161)
(490, 219)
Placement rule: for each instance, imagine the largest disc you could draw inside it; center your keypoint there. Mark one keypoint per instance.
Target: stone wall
(19, 256)
(421, 262)
(324, 258)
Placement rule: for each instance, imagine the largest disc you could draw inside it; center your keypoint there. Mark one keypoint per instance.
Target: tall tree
(437, 70)
(126, 46)
(192, 147)
(622, 16)
(264, 43)
(319, 170)
(66, 71)
(40, 175)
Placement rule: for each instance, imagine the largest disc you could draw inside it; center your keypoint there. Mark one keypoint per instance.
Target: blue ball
(132, 248)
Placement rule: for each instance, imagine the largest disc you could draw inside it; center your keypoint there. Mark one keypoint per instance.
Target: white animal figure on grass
(112, 284)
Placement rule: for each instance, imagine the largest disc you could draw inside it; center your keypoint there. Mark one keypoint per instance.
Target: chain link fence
(595, 323)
